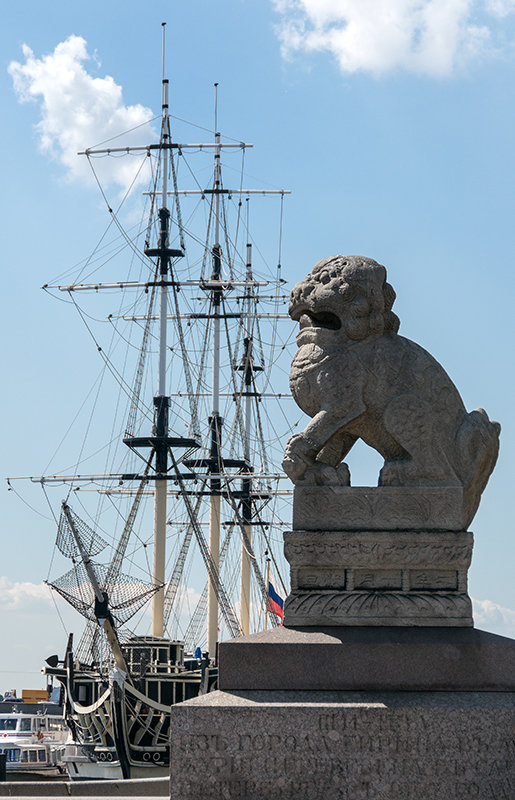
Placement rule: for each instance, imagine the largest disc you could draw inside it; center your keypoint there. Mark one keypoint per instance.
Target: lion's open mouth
(322, 319)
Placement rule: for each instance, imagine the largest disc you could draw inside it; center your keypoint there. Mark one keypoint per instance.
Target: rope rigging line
(206, 243)
(270, 549)
(192, 634)
(229, 243)
(197, 621)
(202, 365)
(261, 436)
(10, 488)
(237, 417)
(95, 401)
(177, 204)
(175, 580)
(113, 218)
(107, 253)
(250, 550)
(112, 452)
(226, 237)
(180, 152)
(49, 504)
(114, 214)
(202, 128)
(175, 625)
(153, 195)
(112, 369)
(238, 216)
(138, 380)
(223, 600)
(124, 133)
(280, 233)
(72, 423)
(195, 427)
(89, 638)
(57, 609)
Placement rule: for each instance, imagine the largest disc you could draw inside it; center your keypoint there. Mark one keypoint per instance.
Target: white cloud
(32, 628)
(500, 8)
(429, 37)
(24, 596)
(492, 617)
(78, 110)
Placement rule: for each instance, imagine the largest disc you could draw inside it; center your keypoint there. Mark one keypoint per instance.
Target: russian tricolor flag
(275, 602)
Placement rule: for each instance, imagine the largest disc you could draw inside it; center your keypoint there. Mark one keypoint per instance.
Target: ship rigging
(206, 450)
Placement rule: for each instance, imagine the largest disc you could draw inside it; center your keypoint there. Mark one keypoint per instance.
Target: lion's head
(343, 298)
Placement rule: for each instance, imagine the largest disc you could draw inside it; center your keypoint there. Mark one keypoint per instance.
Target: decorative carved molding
(378, 577)
(378, 549)
(378, 608)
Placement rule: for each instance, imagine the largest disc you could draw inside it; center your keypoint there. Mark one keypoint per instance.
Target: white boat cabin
(33, 738)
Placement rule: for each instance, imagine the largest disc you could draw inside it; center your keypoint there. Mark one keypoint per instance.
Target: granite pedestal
(352, 714)
(343, 746)
(352, 658)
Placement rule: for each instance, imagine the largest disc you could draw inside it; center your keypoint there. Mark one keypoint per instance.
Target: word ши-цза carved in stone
(358, 379)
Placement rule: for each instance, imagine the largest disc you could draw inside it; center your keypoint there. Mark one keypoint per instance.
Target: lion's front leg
(300, 453)
(303, 448)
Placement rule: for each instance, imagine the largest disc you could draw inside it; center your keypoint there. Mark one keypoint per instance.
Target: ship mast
(246, 483)
(161, 401)
(215, 420)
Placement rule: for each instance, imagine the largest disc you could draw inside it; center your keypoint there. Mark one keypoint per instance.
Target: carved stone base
(336, 508)
(378, 578)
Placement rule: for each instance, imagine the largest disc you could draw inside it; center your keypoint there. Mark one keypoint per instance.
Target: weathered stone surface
(343, 746)
(134, 787)
(375, 607)
(383, 508)
(378, 578)
(375, 658)
(388, 549)
(357, 378)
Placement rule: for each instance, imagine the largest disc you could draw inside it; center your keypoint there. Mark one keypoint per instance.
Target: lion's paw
(343, 472)
(320, 474)
(393, 473)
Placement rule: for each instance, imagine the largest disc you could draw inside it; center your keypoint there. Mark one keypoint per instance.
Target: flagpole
(267, 588)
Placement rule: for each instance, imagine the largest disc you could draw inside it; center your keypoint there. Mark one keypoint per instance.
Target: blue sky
(395, 133)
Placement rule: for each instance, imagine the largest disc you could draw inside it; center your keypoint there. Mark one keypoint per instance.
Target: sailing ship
(200, 446)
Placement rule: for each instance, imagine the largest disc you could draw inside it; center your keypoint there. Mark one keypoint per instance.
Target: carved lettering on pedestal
(433, 579)
(377, 579)
(353, 753)
(321, 578)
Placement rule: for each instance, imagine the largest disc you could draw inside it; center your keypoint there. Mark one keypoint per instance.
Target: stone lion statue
(358, 379)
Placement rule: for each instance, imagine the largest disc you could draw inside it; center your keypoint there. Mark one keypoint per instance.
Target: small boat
(33, 736)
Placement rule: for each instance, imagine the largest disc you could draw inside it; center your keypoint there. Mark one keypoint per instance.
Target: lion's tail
(477, 448)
